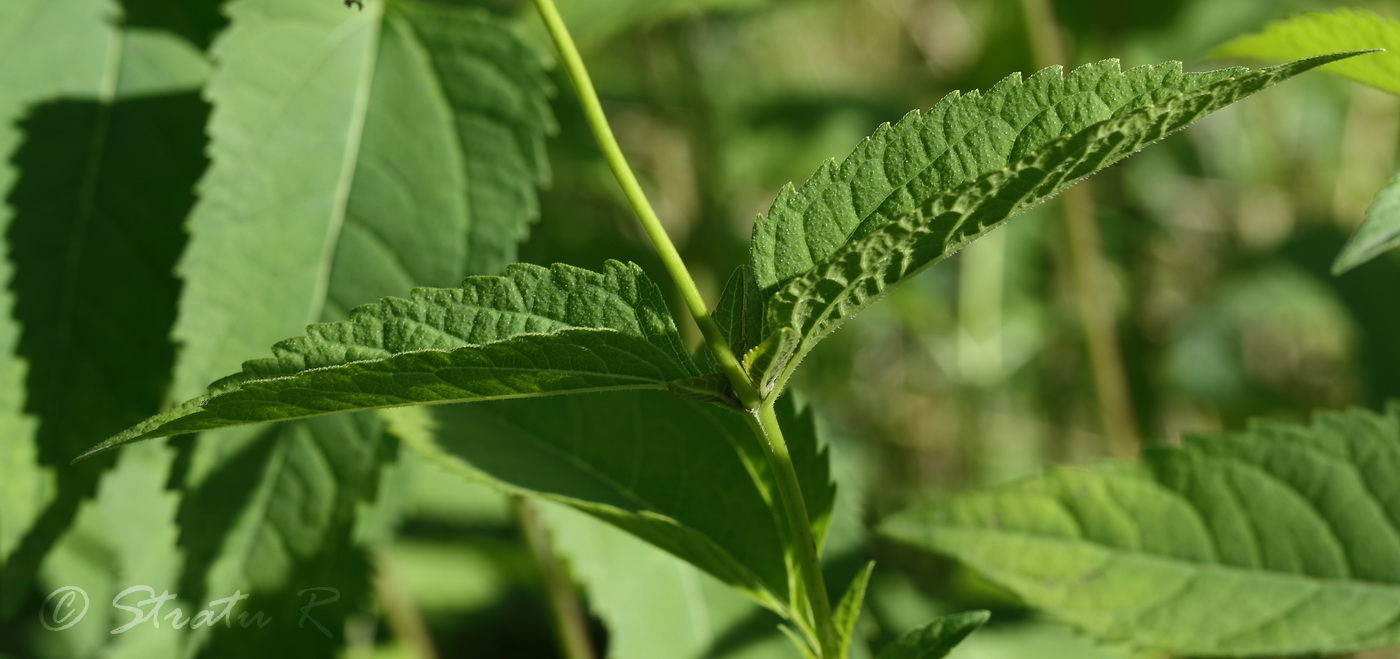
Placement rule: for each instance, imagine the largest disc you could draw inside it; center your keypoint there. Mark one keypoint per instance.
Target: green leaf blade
(685, 477)
(1279, 540)
(937, 638)
(1316, 33)
(855, 275)
(533, 332)
(1379, 231)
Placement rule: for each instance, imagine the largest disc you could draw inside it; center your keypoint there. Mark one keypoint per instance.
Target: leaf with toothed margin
(1280, 540)
(914, 194)
(534, 332)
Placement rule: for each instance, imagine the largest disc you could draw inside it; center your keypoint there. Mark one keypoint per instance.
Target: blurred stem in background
(400, 611)
(570, 626)
(1087, 265)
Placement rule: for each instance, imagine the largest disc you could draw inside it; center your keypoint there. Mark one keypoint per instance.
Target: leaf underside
(1278, 540)
(690, 479)
(914, 193)
(1379, 231)
(533, 332)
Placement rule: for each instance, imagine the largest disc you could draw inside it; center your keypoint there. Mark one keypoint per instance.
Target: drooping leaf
(686, 477)
(937, 638)
(98, 169)
(533, 332)
(1278, 540)
(912, 195)
(1316, 33)
(1379, 231)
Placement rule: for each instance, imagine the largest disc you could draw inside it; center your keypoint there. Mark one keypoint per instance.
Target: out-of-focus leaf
(916, 193)
(937, 638)
(1379, 231)
(655, 605)
(98, 172)
(1279, 540)
(355, 154)
(1328, 32)
(593, 23)
(688, 478)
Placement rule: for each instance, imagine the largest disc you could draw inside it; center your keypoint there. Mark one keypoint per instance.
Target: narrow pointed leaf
(848, 608)
(1379, 231)
(1097, 116)
(1316, 33)
(533, 332)
(1277, 541)
(937, 638)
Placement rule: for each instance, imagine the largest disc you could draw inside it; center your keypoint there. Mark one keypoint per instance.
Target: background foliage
(1219, 244)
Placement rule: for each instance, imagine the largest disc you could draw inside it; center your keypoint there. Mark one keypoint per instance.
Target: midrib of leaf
(87, 203)
(354, 133)
(1118, 553)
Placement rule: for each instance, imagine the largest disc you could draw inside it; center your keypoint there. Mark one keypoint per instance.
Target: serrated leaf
(686, 477)
(388, 148)
(1379, 231)
(1316, 33)
(355, 155)
(937, 638)
(1278, 540)
(1023, 142)
(534, 332)
(98, 166)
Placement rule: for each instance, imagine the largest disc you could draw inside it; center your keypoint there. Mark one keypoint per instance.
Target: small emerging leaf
(1318, 32)
(937, 637)
(847, 611)
(533, 332)
(1277, 541)
(1379, 231)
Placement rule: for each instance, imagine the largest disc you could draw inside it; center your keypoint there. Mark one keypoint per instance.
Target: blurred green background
(1216, 248)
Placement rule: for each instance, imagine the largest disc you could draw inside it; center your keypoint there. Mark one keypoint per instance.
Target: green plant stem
(760, 412)
(765, 424)
(569, 623)
(1087, 265)
(598, 123)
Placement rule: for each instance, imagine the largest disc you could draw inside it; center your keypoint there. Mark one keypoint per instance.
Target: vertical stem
(765, 424)
(569, 624)
(1087, 267)
(760, 413)
(405, 620)
(612, 153)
